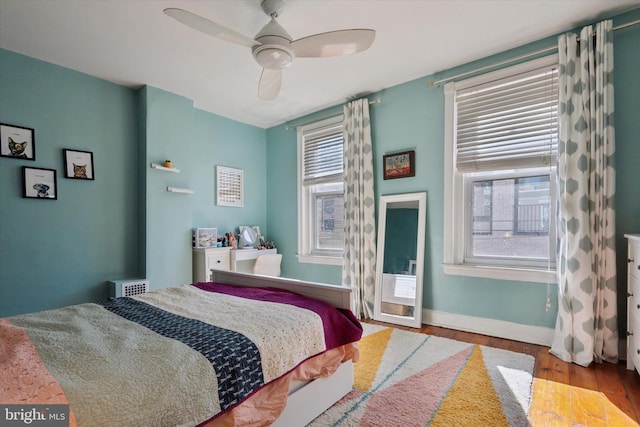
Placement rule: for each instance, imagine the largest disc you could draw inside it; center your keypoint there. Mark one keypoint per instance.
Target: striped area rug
(410, 379)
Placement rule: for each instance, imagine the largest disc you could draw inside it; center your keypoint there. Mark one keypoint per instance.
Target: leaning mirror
(400, 262)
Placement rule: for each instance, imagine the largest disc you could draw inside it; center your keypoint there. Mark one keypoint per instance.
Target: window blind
(323, 154)
(508, 123)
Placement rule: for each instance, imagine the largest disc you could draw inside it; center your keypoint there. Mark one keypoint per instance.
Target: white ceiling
(134, 43)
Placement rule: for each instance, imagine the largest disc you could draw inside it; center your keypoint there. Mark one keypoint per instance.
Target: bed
(241, 350)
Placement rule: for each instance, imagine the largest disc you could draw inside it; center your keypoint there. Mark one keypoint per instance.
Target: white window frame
(455, 219)
(307, 253)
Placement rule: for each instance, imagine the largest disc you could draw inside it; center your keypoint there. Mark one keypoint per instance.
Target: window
(321, 192)
(510, 222)
(501, 132)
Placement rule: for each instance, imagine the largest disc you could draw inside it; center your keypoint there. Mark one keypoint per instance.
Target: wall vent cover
(128, 287)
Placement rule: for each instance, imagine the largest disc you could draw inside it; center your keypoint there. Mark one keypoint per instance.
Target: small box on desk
(204, 237)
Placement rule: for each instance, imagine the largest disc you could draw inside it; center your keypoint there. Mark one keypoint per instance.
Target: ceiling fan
(274, 49)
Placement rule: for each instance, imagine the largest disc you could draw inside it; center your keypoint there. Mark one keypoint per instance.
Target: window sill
(501, 273)
(315, 259)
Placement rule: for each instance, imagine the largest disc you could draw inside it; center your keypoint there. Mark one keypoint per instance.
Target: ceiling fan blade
(334, 43)
(206, 26)
(270, 82)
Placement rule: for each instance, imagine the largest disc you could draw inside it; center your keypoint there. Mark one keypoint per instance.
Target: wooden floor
(565, 394)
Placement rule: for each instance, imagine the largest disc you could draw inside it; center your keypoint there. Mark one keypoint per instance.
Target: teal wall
(411, 117)
(627, 113)
(168, 124)
(196, 142)
(124, 224)
(282, 208)
(229, 143)
(60, 252)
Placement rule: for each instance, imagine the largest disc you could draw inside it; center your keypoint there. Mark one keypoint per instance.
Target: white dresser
(205, 260)
(633, 301)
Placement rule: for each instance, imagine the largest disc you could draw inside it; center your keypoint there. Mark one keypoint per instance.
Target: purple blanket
(340, 326)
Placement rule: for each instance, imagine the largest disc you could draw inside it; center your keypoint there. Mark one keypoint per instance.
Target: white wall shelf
(163, 168)
(179, 190)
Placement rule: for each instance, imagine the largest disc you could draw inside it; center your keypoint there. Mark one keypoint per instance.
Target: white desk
(242, 260)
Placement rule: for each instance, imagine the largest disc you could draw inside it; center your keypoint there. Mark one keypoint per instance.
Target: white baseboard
(495, 328)
(500, 328)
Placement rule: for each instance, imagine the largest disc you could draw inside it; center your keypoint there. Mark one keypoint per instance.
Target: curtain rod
(517, 58)
(287, 127)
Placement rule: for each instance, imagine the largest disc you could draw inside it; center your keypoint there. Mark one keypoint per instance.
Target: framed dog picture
(78, 164)
(39, 183)
(17, 142)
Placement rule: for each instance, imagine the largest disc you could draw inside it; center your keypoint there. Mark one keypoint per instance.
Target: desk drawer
(219, 261)
(204, 260)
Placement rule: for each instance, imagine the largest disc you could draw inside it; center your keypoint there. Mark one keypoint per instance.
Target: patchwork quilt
(177, 356)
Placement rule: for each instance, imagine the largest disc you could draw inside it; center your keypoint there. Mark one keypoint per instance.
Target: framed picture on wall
(229, 186)
(399, 165)
(17, 142)
(78, 164)
(39, 183)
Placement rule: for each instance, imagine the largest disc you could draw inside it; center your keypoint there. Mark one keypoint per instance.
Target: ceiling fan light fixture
(273, 56)
(274, 50)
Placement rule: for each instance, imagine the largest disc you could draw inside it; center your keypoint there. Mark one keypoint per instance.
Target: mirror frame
(416, 320)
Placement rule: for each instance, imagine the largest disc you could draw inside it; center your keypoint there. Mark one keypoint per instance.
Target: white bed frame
(311, 399)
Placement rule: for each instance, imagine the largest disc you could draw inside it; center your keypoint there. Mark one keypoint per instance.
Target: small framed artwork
(399, 165)
(78, 164)
(17, 142)
(39, 183)
(229, 187)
